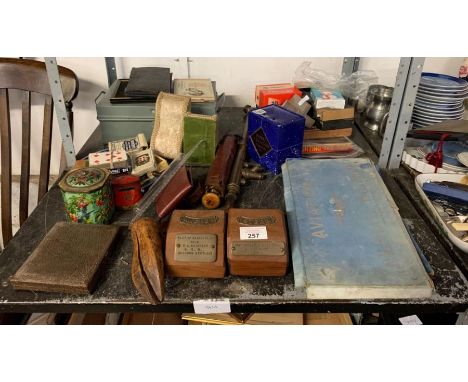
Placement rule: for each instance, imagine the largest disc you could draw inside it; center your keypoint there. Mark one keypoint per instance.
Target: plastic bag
(353, 86)
(307, 77)
(356, 85)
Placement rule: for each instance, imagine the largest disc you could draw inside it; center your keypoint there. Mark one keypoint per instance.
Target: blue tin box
(274, 135)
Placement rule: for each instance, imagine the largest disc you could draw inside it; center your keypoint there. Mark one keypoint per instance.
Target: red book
(274, 94)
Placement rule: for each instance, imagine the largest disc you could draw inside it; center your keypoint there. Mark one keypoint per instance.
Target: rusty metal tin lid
(87, 179)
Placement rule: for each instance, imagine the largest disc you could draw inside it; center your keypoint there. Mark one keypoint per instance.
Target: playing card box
(103, 159)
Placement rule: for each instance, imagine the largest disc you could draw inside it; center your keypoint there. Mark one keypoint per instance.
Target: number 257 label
(253, 233)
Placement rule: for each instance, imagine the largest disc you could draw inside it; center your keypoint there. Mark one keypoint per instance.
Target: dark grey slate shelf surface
(115, 291)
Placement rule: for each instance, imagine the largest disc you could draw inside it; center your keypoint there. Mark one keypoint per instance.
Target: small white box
(325, 98)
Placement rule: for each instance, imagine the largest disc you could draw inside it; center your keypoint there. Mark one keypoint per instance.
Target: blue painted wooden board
(347, 238)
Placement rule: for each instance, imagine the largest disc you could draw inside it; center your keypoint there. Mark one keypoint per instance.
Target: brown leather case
(268, 257)
(179, 186)
(67, 260)
(218, 174)
(205, 258)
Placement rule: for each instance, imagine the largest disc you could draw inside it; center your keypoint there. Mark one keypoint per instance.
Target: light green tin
(87, 195)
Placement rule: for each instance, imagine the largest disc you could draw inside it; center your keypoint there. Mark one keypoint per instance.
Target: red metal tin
(127, 191)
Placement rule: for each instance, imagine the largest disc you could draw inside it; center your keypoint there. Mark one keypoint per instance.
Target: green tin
(87, 195)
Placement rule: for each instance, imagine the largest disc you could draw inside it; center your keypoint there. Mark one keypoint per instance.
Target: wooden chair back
(28, 76)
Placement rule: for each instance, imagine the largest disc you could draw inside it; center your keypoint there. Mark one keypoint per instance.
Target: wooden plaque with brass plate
(257, 243)
(195, 244)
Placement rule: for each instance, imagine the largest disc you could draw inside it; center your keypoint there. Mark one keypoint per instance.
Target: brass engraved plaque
(261, 220)
(196, 247)
(258, 248)
(199, 220)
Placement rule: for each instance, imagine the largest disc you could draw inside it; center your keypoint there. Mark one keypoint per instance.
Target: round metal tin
(127, 191)
(85, 179)
(87, 195)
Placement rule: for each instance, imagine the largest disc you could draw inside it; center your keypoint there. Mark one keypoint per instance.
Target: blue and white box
(332, 99)
(274, 135)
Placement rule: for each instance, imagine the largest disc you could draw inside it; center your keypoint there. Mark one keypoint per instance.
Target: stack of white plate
(439, 98)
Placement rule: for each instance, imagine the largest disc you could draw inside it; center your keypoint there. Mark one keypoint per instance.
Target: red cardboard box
(274, 94)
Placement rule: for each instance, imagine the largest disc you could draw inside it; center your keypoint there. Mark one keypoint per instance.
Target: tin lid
(85, 179)
(124, 180)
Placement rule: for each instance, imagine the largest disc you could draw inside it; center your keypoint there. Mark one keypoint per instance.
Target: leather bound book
(330, 119)
(336, 124)
(148, 81)
(178, 187)
(257, 243)
(195, 244)
(67, 260)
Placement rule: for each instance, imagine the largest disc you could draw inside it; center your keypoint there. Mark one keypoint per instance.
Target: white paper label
(253, 233)
(304, 99)
(410, 320)
(259, 111)
(212, 306)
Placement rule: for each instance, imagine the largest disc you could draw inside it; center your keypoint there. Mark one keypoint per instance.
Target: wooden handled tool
(147, 261)
(218, 174)
(233, 187)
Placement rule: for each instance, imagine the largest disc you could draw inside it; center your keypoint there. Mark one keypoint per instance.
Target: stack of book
(331, 118)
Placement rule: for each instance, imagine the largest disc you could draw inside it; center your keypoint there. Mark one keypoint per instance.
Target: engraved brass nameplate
(196, 247)
(258, 248)
(199, 220)
(262, 220)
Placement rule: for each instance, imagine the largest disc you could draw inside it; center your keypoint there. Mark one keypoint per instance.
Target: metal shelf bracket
(111, 70)
(401, 109)
(60, 110)
(350, 65)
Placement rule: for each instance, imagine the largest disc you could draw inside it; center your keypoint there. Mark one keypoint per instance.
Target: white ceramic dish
(440, 100)
(415, 159)
(423, 178)
(436, 113)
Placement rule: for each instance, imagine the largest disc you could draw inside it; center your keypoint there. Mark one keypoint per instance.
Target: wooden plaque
(257, 242)
(195, 244)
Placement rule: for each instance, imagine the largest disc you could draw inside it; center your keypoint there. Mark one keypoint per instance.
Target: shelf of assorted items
(115, 291)
(404, 178)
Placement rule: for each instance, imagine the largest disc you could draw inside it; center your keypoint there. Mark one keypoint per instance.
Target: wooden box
(195, 244)
(257, 243)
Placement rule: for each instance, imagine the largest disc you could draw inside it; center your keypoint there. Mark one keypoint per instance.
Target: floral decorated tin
(87, 195)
